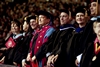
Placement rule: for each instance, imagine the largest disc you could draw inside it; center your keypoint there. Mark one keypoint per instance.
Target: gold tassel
(86, 14)
(25, 18)
(69, 14)
(36, 18)
(97, 8)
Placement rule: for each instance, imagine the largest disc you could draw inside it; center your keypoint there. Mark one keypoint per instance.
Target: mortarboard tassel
(86, 14)
(69, 14)
(25, 18)
(97, 8)
(36, 18)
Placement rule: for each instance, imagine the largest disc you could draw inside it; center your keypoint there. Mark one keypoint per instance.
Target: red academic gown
(38, 39)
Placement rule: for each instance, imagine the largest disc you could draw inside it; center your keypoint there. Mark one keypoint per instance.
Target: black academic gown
(2, 45)
(69, 49)
(22, 51)
(10, 53)
(61, 47)
(76, 42)
(73, 48)
(87, 36)
(87, 57)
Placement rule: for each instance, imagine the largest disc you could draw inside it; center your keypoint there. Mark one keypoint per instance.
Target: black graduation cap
(80, 9)
(96, 1)
(64, 10)
(45, 13)
(30, 17)
(98, 20)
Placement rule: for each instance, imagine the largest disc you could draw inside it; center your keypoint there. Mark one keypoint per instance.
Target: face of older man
(43, 20)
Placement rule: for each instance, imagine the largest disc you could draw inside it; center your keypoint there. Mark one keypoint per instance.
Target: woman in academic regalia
(15, 39)
(33, 26)
(74, 47)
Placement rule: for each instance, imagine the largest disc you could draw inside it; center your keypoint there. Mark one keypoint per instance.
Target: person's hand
(76, 62)
(23, 63)
(3, 48)
(28, 57)
(49, 60)
(33, 58)
(15, 63)
(54, 59)
(2, 60)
